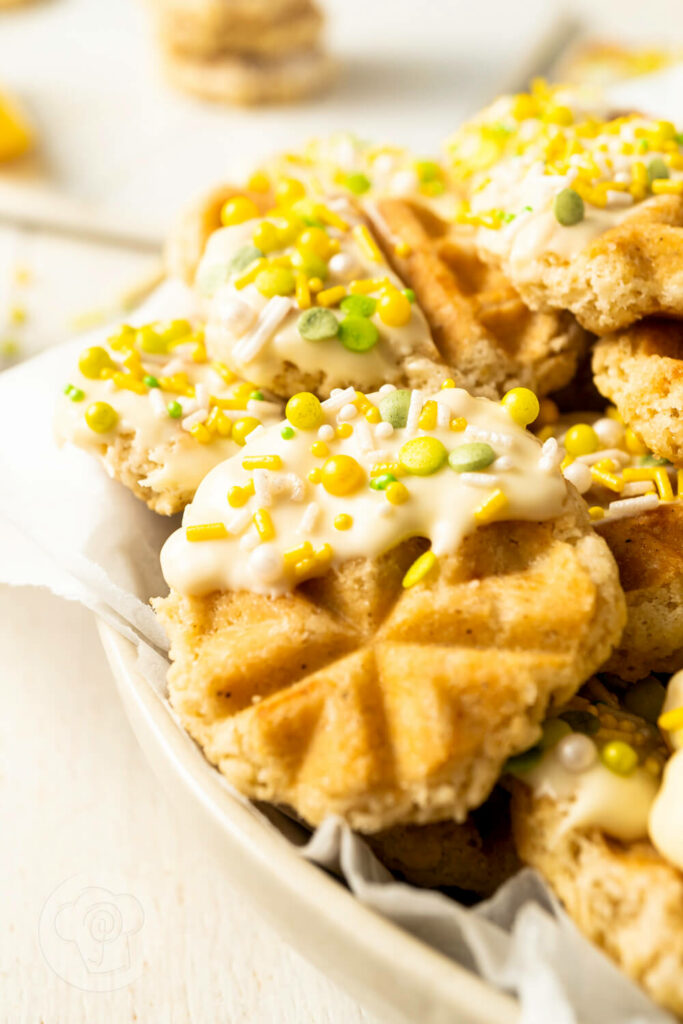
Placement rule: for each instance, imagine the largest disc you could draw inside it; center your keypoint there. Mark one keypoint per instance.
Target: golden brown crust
(481, 327)
(624, 897)
(313, 699)
(641, 371)
(648, 550)
(632, 271)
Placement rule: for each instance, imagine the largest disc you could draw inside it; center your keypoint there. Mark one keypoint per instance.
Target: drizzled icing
(520, 154)
(666, 816)
(258, 336)
(303, 535)
(183, 448)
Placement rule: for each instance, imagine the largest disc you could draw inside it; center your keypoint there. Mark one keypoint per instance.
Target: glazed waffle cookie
(621, 893)
(481, 326)
(345, 729)
(641, 371)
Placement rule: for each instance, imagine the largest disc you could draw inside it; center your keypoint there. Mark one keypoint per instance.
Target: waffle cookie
(304, 605)
(213, 28)
(480, 325)
(157, 413)
(474, 857)
(641, 371)
(580, 814)
(304, 299)
(582, 211)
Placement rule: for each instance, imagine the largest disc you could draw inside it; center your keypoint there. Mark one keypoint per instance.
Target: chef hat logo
(100, 923)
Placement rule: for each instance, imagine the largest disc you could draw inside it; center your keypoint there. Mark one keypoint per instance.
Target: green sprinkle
(527, 209)
(74, 393)
(358, 334)
(287, 433)
(472, 457)
(645, 699)
(358, 305)
(310, 263)
(256, 396)
(275, 281)
(318, 324)
(175, 410)
(150, 341)
(428, 170)
(657, 169)
(243, 258)
(422, 456)
(358, 183)
(393, 407)
(652, 460)
(581, 721)
(410, 294)
(619, 757)
(520, 764)
(679, 138)
(381, 482)
(150, 381)
(643, 145)
(569, 208)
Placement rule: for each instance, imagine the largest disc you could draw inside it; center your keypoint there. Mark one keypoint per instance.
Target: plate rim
(385, 951)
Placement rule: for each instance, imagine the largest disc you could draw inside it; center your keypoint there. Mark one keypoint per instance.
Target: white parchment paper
(66, 526)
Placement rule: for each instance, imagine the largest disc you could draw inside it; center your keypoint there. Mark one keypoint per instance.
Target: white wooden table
(87, 834)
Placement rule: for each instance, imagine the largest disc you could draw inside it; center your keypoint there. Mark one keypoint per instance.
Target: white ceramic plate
(394, 975)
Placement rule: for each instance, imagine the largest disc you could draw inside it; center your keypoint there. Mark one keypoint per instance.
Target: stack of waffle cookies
(244, 51)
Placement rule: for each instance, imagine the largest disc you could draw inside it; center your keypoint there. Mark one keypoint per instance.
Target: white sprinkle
(201, 393)
(502, 464)
(579, 475)
(402, 182)
(156, 400)
(257, 407)
(270, 319)
(577, 753)
(218, 382)
(383, 431)
(196, 417)
(387, 389)
(414, 410)
(183, 351)
(339, 398)
(250, 540)
(638, 487)
(347, 413)
(266, 563)
(384, 455)
(234, 314)
(262, 491)
(308, 519)
(326, 432)
(490, 436)
(479, 479)
(238, 522)
(173, 367)
(607, 453)
(188, 405)
(343, 264)
(443, 413)
(255, 432)
(629, 507)
(610, 433)
(363, 436)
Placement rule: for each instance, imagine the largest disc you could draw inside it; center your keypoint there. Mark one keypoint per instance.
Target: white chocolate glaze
(666, 816)
(441, 507)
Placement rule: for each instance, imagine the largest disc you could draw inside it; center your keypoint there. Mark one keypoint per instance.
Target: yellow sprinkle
(207, 531)
(219, 423)
(302, 292)
(201, 433)
(661, 478)
(380, 468)
(223, 372)
(315, 284)
(261, 462)
(331, 296)
(545, 433)
(608, 480)
(366, 285)
(199, 353)
(397, 493)
(343, 521)
(331, 218)
(402, 249)
(373, 414)
(127, 382)
(315, 476)
(636, 473)
(671, 721)
(17, 315)
(490, 507)
(595, 512)
(264, 524)
(367, 244)
(248, 275)
(566, 461)
(679, 483)
(305, 567)
(237, 496)
(259, 182)
(320, 450)
(605, 465)
(419, 569)
(613, 414)
(294, 555)
(458, 424)
(427, 420)
(448, 383)
(344, 430)
(324, 553)
(667, 187)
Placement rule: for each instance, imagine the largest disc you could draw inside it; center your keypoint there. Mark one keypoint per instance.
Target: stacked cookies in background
(244, 51)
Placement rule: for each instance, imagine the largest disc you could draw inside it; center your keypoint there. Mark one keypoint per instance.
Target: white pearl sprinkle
(266, 563)
(383, 431)
(386, 388)
(347, 413)
(576, 753)
(502, 464)
(343, 264)
(326, 432)
(579, 474)
(609, 432)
